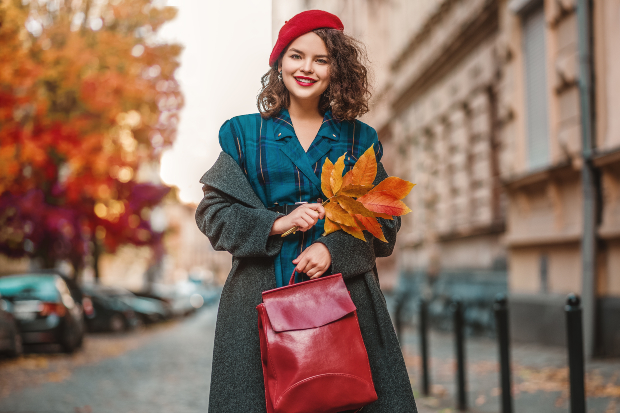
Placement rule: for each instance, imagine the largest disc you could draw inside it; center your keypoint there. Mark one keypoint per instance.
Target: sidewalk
(539, 377)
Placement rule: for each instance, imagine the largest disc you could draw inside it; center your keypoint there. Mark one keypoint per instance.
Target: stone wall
(451, 107)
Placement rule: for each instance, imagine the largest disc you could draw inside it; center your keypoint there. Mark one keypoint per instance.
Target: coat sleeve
(352, 256)
(241, 230)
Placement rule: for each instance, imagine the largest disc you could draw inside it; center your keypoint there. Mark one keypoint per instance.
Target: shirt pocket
(349, 162)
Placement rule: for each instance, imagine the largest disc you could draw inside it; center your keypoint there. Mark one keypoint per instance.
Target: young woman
(267, 180)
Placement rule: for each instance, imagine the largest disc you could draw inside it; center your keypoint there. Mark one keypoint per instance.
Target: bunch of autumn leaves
(354, 204)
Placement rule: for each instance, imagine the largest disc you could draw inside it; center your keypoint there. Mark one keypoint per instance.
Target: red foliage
(80, 111)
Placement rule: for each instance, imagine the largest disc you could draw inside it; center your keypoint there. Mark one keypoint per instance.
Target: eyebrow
(299, 51)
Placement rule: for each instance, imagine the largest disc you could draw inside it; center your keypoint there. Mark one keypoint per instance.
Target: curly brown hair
(349, 88)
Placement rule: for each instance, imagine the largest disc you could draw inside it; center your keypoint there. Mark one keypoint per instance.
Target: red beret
(302, 23)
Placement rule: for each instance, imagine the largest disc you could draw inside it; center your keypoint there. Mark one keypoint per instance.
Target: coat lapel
(226, 176)
(316, 152)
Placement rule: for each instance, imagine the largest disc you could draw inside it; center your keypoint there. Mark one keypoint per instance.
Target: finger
(300, 223)
(313, 206)
(314, 216)
(312, 213)
(321, 212)
(316, 272)
(312, 272)
(301, 266)
(312, 263)
(307, 221)
(300, 256)
(315, 264)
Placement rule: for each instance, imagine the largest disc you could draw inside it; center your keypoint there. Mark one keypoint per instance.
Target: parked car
(47, 310)
(209, 292)
(148, 310)
(178, 295)
(10, 337)
(109, 313)
(165, 302)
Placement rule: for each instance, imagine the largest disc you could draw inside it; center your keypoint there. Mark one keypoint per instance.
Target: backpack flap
(309, 304)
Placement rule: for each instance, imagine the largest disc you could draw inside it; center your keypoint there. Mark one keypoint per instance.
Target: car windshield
(40, 287)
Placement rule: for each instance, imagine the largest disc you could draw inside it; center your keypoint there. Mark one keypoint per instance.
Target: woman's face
(305, 67)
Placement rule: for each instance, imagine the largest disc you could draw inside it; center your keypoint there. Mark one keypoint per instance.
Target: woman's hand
(304, 217)
(314, 261)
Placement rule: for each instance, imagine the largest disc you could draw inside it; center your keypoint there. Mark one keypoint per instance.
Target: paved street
(165, 368)
(540, 377)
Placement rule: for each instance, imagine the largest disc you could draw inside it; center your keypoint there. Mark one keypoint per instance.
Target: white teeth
(305, 80)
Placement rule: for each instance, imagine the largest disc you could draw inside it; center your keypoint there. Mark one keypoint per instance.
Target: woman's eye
(322, 61)
(296, 56)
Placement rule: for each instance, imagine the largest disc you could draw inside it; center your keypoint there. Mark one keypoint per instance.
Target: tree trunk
(96, 255)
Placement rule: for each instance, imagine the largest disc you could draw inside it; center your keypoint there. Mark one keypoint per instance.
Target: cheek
(325, 86)
(287, 67)
(326, 74)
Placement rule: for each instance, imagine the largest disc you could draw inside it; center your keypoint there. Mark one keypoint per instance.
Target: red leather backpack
(313, 356)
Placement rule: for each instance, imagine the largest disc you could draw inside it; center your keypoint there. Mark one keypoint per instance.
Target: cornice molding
(421, 35)
(523, 6)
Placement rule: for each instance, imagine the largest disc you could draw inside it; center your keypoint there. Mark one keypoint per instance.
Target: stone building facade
(478, 102)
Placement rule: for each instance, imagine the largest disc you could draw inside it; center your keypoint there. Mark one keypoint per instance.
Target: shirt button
(333, 135)
(279, 134)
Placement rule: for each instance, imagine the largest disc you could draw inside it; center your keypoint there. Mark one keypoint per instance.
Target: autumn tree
(88, 95)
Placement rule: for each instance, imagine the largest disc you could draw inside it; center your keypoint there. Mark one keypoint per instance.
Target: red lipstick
(305, 81)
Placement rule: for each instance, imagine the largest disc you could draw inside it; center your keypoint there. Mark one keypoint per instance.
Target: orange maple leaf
(394, 187)
(354, 190)
(355, 231)
(337, 214)
(344, 212)
(336, 177)
(384, 204)
(372, 225)
(364, 170)
(352, 206)
(331, 226)
(326, 174)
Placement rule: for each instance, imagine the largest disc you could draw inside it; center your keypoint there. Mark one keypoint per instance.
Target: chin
(302, 93)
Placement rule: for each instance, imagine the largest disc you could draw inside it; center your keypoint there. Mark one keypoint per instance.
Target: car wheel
(117, 323)
(69, 341)
(80, 341)
(18, 347)
(68, 345)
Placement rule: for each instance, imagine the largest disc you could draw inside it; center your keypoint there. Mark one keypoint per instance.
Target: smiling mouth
(306, 81)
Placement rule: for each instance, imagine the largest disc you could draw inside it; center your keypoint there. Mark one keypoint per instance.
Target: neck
(304, 108)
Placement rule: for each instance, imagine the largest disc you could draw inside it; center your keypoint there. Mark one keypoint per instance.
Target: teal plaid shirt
(281, 172)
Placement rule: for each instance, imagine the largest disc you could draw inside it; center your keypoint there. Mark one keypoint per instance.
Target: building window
(536, 102)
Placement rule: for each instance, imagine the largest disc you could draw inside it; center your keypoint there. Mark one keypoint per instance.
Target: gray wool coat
(235, 220)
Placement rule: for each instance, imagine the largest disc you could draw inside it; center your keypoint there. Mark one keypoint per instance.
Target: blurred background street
(501, 111)
(165, 368)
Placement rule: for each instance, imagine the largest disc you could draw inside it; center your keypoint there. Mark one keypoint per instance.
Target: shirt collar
(283, 126)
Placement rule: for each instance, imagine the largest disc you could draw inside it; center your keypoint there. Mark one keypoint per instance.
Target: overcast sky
(227, 46)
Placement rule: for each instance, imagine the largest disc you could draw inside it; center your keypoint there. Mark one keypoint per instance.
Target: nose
(307, 66)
